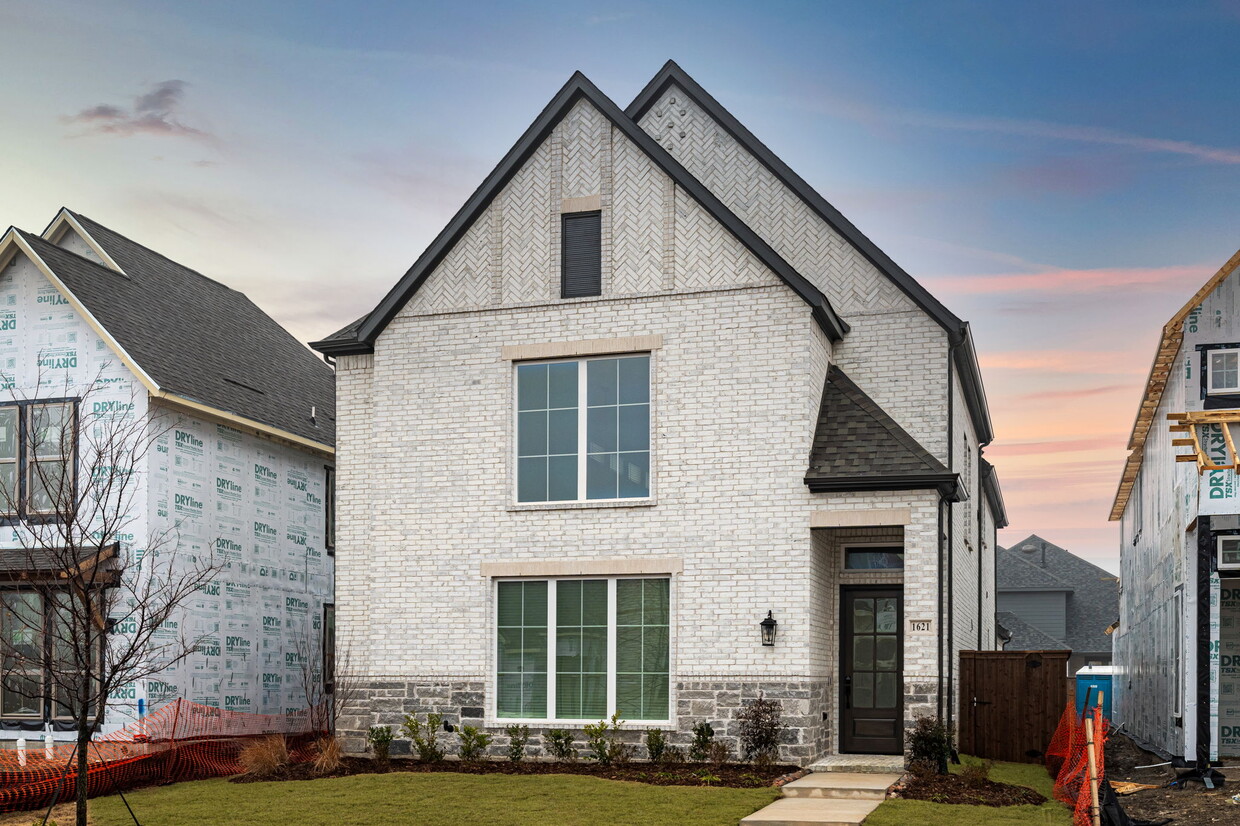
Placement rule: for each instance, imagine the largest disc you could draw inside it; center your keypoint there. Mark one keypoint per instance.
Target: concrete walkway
(826, 799)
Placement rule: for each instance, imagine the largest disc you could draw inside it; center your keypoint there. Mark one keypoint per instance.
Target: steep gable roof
(1156, 384)
(960, 335)
(359, 337)
(858, 446)
(194, 340)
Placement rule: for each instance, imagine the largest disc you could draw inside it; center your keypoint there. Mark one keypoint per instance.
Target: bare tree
(94, 586)
(328, 678)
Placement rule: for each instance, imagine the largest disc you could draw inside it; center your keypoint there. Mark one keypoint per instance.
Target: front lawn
(1050, 813)
(443, 799)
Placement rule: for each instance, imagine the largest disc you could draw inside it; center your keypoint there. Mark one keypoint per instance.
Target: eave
(947, 484)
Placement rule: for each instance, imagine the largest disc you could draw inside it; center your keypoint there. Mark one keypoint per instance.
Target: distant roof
(1025, 637)
(857, 446)
(1093, 601)
(195, 337)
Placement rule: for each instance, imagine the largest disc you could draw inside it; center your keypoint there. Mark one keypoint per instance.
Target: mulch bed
(1191, 804)
(951, 788)
(666, 774)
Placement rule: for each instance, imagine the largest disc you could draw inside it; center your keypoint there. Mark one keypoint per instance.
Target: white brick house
(552, 508)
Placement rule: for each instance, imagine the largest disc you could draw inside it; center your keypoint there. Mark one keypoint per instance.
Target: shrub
(328, 759)
(604, 741)
(718, 753)
(930, 741)
(703, 736)
(265, 756)
(760, 727)
(427, 746)
(473, 743)
(673, 754)
(976, 774)
(518, 736)
(380, 739)
(656, 744)
(560, 744)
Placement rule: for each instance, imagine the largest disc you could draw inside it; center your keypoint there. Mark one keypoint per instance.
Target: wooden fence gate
(1010, 702)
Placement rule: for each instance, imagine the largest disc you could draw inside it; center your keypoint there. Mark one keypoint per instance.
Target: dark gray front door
(871, 670)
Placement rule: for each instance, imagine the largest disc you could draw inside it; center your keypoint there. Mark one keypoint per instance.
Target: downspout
(951, 532)
(1205, 562)
(980, 601)
(939, 538)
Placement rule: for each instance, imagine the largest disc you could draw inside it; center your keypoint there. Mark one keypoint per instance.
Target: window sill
(636, 725)
(593, 503)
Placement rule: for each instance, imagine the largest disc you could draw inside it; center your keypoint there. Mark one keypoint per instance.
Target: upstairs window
(581, 254)
(1223, 371)
(583, 429)
(38, 443)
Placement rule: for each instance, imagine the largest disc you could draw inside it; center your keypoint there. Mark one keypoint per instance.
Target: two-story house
(120, 343)
(651, 428)
(1177, 647)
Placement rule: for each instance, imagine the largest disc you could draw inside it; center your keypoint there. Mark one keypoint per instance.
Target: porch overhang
(947, 484)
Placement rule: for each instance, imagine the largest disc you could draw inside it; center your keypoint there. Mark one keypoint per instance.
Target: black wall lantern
(768, 627)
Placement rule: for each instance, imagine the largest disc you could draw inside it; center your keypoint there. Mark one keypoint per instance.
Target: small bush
(760, 727)
(425, 744)
(380, 739)
(703, 736)
(922, 768)
(328, 759)
(929, 740)
(474, 743)
(265, 756)
(718, 753)
(673, 754)
(560, 745)
(656, 744)
(605, 744)
(518, 736)
(976, 774)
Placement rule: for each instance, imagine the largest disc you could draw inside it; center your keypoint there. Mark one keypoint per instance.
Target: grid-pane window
(642, 648)
(1224, 372)
(583, 430)
(49, 449)
(581, 649)
(521, 676)
(21, 681)
(9, 424)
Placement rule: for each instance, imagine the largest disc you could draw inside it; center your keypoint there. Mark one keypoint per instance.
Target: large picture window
(583, 429)
(38, 443)
(581, 649)
(35, 635)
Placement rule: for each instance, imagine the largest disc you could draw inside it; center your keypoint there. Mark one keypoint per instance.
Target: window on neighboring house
(29, 680)
(1229, 553)
(329, 648)
(1223, 371)
(583, 429)
(38, 444)
(874, 558)
(583, 649)
(329, 511)
(581, 254)
(1177, 648)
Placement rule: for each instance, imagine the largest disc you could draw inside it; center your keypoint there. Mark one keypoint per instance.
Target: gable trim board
(1156, 384)
(65, 221)
(15, 241)
(959, 331)
(577, 88)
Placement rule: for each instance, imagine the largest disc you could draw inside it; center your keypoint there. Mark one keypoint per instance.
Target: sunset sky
(1064, 175)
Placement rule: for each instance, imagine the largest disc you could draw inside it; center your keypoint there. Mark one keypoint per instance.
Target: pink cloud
(1072, 395)
(1068, 281)
(154, 112)
(1090, 362)
(1059, 446)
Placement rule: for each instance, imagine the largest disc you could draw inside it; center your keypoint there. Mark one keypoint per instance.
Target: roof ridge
(80, 217)
(1046, 572)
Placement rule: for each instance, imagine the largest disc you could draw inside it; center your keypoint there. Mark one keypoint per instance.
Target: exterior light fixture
(768, 627)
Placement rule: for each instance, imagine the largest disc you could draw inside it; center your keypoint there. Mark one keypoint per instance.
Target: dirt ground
(63, 814)
(1187, 806)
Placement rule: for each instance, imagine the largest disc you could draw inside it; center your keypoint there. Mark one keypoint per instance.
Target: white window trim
(492, 706)
(583, 459)
(1219, 552)
(1210, 388)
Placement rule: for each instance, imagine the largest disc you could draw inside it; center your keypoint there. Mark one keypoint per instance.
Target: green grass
(924, 813)
(439, 799)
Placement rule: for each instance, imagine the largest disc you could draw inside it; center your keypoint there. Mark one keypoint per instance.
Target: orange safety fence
(179, 741)
(1067, 760)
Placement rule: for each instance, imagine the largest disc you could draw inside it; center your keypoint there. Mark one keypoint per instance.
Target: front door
(871, 670)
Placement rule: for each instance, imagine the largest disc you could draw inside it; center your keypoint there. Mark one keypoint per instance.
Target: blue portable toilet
(1089, 681)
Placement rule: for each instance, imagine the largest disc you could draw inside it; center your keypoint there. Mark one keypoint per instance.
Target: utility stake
(1093, 772)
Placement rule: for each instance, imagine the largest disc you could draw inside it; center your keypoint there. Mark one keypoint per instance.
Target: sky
(1061, 174)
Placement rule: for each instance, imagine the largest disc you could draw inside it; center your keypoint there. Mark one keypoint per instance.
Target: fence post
(1095, 814)
(172, 742)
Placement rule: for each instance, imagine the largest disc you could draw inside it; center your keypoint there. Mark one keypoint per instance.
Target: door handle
(977, 702)
(848, 692)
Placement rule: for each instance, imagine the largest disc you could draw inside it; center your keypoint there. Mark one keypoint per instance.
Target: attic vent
(581, 254)
(1029, 548)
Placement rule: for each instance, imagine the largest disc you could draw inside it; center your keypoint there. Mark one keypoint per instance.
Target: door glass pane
(885, 690)
(863, 690)
(863, 616)
(863, 653)
(886, 657)
(886, 623)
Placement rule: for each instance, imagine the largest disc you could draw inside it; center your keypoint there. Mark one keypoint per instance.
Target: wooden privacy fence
(1011, 702)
